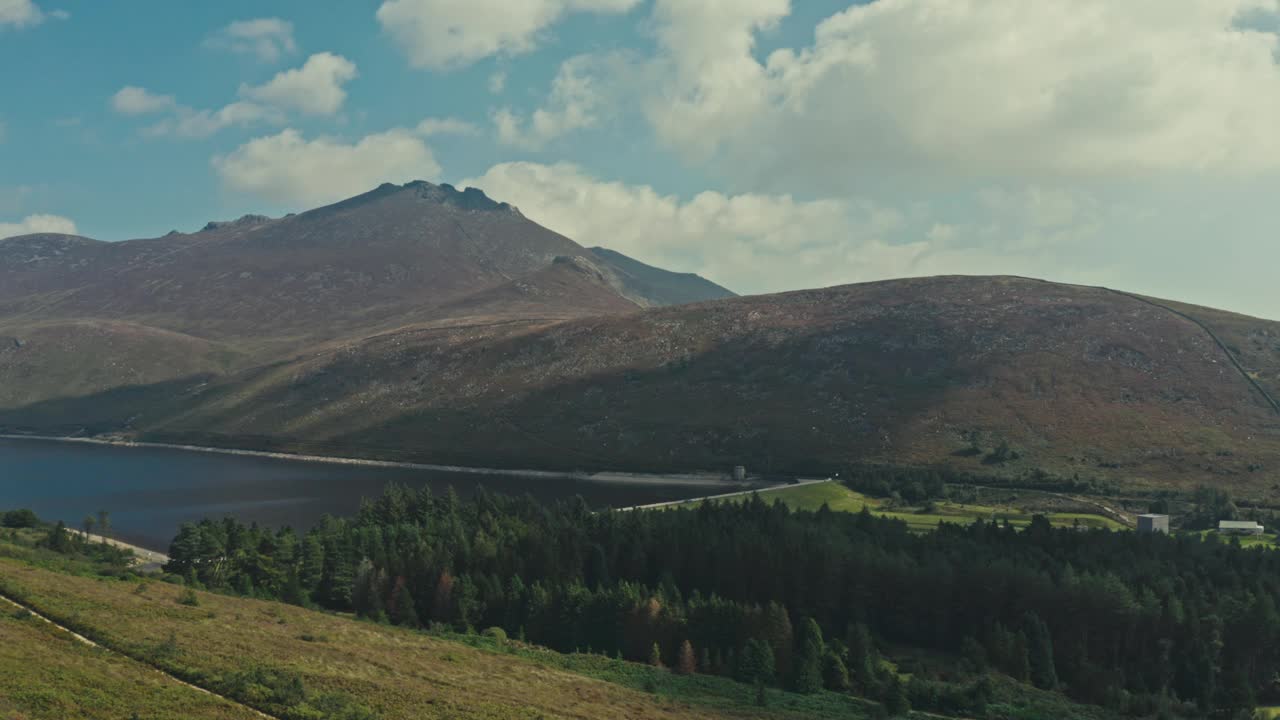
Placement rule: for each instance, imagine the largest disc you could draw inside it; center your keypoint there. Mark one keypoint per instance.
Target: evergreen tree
(686, 664)
(756, 663)
(778, 633)
(896, 701)
(807, 671)
(1041, 669)
(404, 611)
(835, 676)
(655, 656)
(863, 659)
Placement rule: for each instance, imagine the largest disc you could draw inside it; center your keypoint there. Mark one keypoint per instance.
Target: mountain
(656, 287)
(425, 323)
(380, 260)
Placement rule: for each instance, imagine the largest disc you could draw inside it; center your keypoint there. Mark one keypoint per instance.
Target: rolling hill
(423, 323)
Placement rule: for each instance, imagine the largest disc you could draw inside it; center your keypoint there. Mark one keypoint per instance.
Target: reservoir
(150, 491)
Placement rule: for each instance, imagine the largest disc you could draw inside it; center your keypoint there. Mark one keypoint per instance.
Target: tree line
(805, 600)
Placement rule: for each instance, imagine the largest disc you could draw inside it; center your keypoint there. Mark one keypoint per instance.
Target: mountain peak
(468, 198)
(241, 222)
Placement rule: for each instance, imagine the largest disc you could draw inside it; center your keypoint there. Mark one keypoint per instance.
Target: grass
(46, 674)
(842, 499)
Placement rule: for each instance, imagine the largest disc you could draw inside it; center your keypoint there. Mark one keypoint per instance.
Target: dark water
(150, 492)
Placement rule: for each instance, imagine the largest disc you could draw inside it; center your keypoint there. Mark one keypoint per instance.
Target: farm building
(1152, 523)
(1239, 527)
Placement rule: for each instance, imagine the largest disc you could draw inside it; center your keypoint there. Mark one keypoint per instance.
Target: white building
(1153, 523)
(1239, 527)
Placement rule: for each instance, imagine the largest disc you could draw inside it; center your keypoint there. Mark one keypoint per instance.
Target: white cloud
(575, 102)
(313, 89)
(133, 100)
(756, 242)
(751, 242)
(1038, 88)
(497, 82)
(19, 14)
(289, 168)
(445, 126)
(38, 224)
(443, 34)
(267, 39)
(189, 123)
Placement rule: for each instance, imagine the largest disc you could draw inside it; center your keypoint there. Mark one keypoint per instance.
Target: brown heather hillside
(1075, 380)
(421, 322)
(394, 255)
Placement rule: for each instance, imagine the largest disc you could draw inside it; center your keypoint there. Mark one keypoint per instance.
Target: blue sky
(767, 144)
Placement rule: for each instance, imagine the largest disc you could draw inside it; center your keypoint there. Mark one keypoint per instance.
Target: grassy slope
(841, 498)
(46, 674)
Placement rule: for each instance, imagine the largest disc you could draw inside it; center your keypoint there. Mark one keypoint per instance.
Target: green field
(842, 499)
(44, 673)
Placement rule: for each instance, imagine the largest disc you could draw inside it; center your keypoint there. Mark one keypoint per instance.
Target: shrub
(189, 597)
(496, 634)
(19, 519)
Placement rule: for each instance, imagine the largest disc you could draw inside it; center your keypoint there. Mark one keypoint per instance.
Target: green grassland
(44, 673)
(842, 499)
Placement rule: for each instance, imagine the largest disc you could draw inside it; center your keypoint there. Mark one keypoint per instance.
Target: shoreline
(708, 479)
(723, 496)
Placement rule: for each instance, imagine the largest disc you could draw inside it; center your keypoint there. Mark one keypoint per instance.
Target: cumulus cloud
(187, 122)
(133, 100)
(576, 100)
(38, 224)
(289, 168)
(497, 82)
(751, 242)
(443, 34)
(445, 126)
(1037, 88)
(316, 88)
(313, 89)
(760, 242)
(267, 39)
(19, 14)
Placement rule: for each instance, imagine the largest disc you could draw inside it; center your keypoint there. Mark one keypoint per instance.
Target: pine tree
(895, 699)
(807, 673)
(835, 676)
(655, 656)
(1041, 669)
(778, 633)
(405, 612)
(756, 663)
(862, 659)
(686, 664)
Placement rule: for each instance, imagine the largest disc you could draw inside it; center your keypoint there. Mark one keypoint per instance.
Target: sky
(768, 145)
